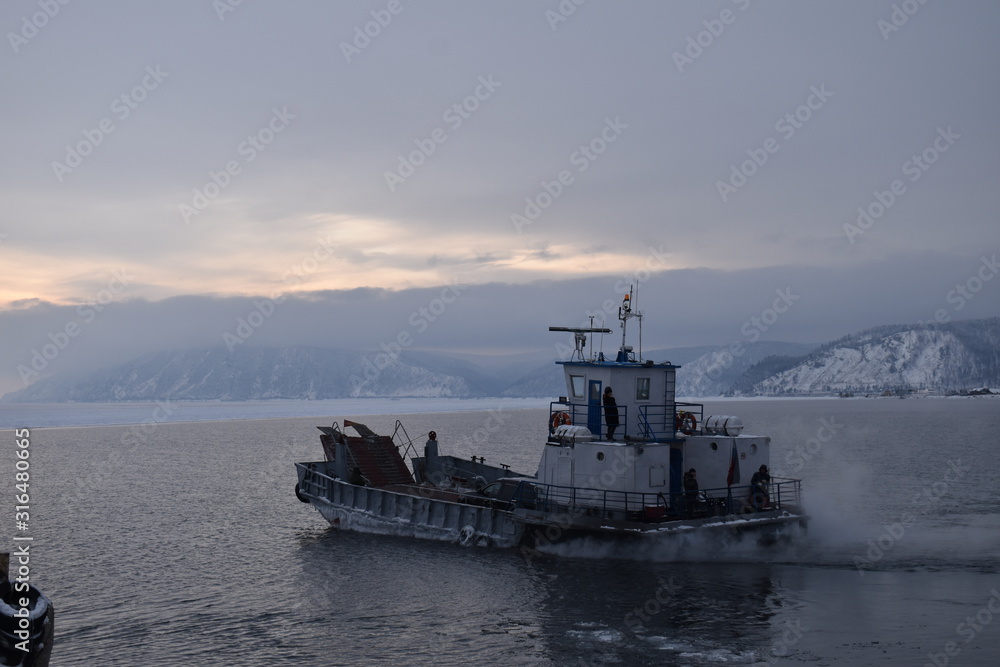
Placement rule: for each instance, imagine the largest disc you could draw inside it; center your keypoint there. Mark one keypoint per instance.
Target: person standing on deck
(691, 484)
(610, 413)
(690, 491)
(759, 495)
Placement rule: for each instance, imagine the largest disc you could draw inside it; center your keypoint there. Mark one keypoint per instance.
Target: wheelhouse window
(642, 389)
(577, 383)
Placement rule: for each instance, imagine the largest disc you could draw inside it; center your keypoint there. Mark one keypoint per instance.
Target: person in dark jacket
(610, 413)
(758, 488)
(691, 483)
(691, 491)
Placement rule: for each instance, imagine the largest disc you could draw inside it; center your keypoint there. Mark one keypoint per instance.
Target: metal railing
(404, 443)
(657, 422)
(579, 502)
(579, 414)
(318, 479)
(660, 422)
(785, 494)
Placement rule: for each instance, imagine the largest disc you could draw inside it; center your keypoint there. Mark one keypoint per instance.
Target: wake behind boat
(623, 459)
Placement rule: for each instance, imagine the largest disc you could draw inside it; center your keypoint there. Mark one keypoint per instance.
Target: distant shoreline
(123, 413)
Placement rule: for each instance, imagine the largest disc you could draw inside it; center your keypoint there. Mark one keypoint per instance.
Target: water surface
(182, 543)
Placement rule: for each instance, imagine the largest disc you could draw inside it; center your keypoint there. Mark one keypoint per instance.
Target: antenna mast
(625, 313)
(638, 314)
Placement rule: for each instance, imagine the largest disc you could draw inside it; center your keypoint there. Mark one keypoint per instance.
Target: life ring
(560, 419)
(298, 494)
(686, 422)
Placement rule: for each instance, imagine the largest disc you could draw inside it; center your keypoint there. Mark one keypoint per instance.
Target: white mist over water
(909, 481)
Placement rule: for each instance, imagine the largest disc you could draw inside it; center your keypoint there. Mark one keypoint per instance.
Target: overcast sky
(171, 162)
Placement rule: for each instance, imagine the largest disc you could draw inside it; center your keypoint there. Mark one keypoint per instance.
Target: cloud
(682, 307)
(587, 128)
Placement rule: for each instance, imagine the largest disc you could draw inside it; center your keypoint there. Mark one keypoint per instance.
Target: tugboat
(622, 459)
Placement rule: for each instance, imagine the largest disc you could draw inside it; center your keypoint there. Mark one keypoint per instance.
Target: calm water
(184, 545)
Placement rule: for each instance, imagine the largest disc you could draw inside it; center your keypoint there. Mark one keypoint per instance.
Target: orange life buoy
(686, 422)
(560, 418)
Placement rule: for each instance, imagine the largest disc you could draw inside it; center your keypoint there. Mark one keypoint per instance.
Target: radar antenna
(580, 338)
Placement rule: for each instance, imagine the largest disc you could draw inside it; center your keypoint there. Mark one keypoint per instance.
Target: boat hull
(387, 512)
(765, 528)
(382, 511)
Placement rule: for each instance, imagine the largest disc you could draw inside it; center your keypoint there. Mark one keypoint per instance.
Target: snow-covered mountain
(951, 356)
(714, 372)
(246, 374)
(958, 355)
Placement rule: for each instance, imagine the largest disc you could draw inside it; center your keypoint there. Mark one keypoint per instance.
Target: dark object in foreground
(26, 631)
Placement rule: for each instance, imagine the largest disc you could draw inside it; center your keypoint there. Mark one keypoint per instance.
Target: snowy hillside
(714, 372)
(954, 356)
(245, 374)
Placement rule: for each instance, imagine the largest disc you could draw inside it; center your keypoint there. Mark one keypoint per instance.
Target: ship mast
(625, 313)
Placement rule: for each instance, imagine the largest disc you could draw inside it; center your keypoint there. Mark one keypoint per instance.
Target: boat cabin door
(676, 475)
(594, 407)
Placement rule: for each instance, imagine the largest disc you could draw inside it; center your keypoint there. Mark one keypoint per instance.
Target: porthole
(714, 446)
(600, 456)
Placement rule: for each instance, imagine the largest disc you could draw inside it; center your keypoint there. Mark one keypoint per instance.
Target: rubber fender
(298, 494)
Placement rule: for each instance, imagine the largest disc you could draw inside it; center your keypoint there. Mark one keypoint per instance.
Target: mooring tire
(298, 494)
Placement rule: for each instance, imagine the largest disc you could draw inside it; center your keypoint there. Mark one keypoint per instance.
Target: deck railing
(577, 502)
(656, 422)
(660, 422)
(318, 479)
(404, 444)
(579, 413)
(783, 494)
